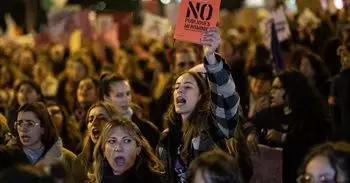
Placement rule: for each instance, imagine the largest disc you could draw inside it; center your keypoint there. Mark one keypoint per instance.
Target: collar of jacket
(54, 154)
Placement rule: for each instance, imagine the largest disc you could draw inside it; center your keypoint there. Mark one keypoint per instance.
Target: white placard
(278, 17)
(155, 26)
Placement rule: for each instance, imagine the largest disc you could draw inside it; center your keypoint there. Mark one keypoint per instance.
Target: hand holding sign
(210, 41)
(196, 17)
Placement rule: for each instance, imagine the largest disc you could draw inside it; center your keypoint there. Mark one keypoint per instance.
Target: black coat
(147, 128)
(304, 131)
(341, 108)
(142, 174)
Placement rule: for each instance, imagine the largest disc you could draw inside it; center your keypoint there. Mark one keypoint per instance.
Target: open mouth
(96, 133)
(180, 101)
(119, 161)
(25, 138)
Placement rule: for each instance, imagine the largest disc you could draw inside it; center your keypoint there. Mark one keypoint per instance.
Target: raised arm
(225, 99)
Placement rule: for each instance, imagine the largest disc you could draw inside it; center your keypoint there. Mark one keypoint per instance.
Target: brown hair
(50, 135)
(196, 118)
(146, 159)
(219, 167)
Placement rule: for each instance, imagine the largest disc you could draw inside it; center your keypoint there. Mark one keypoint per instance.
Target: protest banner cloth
(277, 17)
(111, 37)
(194, 19)
(124, 21)
(63, 23)
(267, 167)
(103, 22)
(155, 26)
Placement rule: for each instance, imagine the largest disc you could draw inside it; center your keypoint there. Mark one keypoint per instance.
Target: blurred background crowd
(68, 67)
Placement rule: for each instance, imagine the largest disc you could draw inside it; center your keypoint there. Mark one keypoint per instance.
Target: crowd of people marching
(150, 111)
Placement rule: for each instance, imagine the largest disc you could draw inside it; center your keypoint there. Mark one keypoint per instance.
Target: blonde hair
(146, 157)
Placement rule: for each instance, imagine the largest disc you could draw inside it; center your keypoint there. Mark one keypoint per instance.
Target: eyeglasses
(29, 124)
(306, 178)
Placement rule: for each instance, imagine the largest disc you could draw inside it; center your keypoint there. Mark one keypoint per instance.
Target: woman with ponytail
(116, 90)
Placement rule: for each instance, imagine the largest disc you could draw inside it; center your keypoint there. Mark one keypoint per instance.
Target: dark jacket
(304, 131)
(13, 156)
(220, 123)
(148, 129)
(142, 174)
(340, 108)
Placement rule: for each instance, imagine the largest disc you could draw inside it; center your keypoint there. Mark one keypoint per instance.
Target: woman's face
(186, 94)
(87, 92)
(259, 86)
(76, 71)
(306, 68)
(319, 169)
(120, 96)
(97, 117)
(184, 61)
(121, 150)
(277, 93)
(57, 53)
(56, 116)
(26, 94)
(26, 61)
(29, 129)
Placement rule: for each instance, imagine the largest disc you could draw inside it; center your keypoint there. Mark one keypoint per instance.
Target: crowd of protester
(177, 112)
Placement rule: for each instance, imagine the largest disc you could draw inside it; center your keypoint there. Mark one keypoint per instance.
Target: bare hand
(252, 142)
(210, 41)
(274, 135)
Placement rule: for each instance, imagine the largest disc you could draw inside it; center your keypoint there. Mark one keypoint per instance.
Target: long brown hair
(146, 159)
(198, 116)
(88, 144)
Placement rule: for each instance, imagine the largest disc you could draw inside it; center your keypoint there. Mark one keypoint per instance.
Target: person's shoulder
(69, 154)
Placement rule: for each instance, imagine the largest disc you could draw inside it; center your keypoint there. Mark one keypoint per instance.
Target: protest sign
(103, 22)
(155, 26)
(195, 17)
(267, 166)
(111, 36)
(308, 18)
(63, 23)
(124, 21)
(277, 17)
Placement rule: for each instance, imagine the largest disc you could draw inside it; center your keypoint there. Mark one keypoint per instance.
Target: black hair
(302, 96)
(218, 167)
(30, 174)
(264, 71)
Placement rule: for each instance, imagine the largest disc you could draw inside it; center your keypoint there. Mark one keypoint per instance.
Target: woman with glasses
(296, 121)
(123, 155)
(98, 114)
(327, 163)
(38, 142)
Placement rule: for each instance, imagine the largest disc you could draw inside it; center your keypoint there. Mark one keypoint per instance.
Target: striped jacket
(222, 120)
